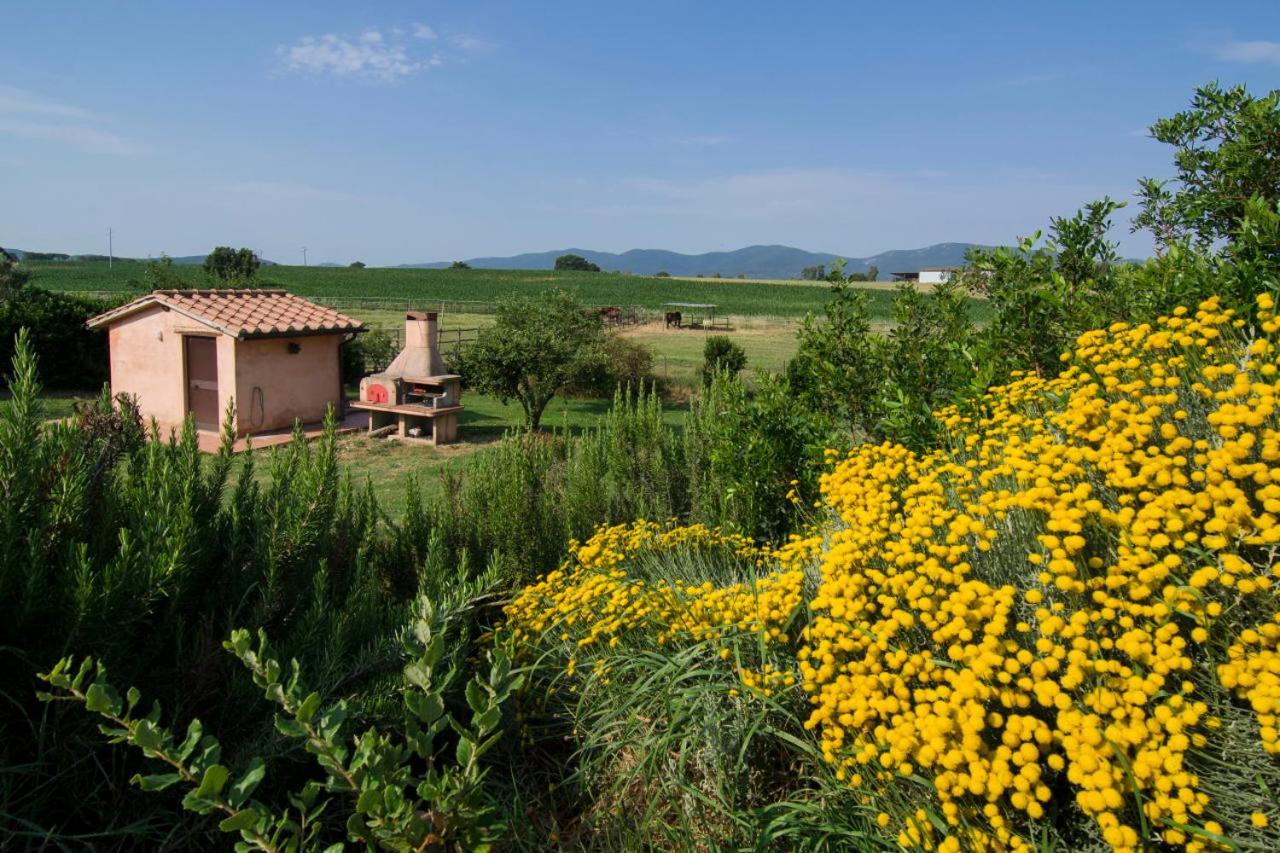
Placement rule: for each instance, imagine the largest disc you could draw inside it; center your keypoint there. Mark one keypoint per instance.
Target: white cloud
(31, 116)
(368, 55)
(1249, 51)
(471, 43)
(79, 136)
(388, 55)
(13, 100)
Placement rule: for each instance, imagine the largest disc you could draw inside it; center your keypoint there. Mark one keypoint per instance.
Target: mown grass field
(731, 296)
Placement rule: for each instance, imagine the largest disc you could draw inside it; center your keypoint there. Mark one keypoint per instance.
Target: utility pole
(304, 256)
(111, 249)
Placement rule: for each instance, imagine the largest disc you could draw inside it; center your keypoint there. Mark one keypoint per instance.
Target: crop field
(424, 287)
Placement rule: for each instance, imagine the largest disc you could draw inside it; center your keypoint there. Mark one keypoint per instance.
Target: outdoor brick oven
(415, 393)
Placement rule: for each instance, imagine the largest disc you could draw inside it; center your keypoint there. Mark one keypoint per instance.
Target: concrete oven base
(438, 426)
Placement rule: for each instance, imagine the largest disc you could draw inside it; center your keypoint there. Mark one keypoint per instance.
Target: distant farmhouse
(927, 275)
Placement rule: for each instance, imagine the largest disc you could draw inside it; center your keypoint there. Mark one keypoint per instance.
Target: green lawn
(678, 352)
(57, 404)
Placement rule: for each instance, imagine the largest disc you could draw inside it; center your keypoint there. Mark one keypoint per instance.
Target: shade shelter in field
(180, 352)
(692, 315)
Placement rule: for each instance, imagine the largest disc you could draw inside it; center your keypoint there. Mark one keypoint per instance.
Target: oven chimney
(422, 335)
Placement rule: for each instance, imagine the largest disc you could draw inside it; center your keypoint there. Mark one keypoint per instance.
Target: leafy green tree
(721, 354)
(537, 346)
(459, 265)
(873, 273)
(814, 273)
(1227, 151)
(13, 277)
(232, 266)
(1045, 293)
(929, 360)
(662, 274)
(575, 262)
(356, 265)
(159, 275)
(838, 366)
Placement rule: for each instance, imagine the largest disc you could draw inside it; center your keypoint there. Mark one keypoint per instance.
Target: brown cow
(611, 316)
(674, 319)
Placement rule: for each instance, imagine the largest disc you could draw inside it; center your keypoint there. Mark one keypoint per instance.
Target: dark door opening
(202, 381)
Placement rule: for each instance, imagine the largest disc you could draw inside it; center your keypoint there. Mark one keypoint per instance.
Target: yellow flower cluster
(593, 599)
(1040, 622)
(1031, 605)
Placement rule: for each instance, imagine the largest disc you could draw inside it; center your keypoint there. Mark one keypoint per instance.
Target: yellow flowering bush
(596, 597)
(1062, 626)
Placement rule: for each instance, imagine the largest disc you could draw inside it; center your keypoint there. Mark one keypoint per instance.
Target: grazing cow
(611, 316)
(674, 319)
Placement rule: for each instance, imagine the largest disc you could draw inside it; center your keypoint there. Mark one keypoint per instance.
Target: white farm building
(927, 275)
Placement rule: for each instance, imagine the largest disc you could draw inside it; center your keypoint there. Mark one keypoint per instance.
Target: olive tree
(1226, 152)
(538, 345)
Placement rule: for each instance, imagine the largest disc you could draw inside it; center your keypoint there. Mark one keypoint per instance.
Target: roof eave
(299, 333)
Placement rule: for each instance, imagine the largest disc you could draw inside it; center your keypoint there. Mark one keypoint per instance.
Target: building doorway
(202, 380)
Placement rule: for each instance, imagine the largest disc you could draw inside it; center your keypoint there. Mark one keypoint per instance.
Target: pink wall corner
(274, 386)
(227, 385)
(146, 361)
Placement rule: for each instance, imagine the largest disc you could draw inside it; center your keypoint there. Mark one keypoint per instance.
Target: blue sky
(400, 132)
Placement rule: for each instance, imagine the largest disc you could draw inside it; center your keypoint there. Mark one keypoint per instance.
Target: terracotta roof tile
(242, 313)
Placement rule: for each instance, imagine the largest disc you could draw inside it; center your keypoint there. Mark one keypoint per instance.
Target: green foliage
(930, 362)
(536, 347)
(417, 785)
(73, 357)
(356, 265)
(631, 465)
(839, 365)
(232, 267)
(754, 456)
(575, 262)
(814, 273)
(887, 385)
(662, 274)
(143, 555)
(721, 353)
(1226, 152)
(370, 352)
(1044, 294)
(624, 362)
(13, 277)
(459, 265)
(159, 275)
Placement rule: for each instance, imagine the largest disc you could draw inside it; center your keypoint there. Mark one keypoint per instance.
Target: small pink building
(276, 355)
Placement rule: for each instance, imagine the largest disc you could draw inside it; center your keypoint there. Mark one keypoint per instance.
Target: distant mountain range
(753, 261)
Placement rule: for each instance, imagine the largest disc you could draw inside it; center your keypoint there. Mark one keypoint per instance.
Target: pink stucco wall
(146, 351)
(147, 361)
(274, 386)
